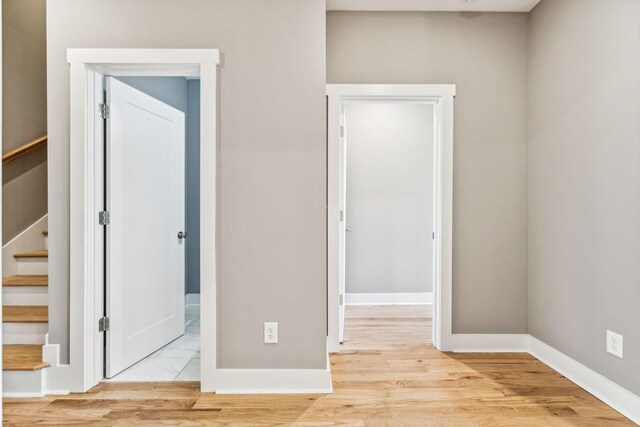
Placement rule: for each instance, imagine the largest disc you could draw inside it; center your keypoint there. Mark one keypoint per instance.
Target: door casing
(441, 96)
(87, 66)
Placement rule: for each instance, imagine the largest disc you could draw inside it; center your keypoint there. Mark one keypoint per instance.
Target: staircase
(25, 317)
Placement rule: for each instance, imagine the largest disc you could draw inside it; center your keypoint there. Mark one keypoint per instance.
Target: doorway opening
(151, 282)
(389, 177)
(88, 240)
(388, 218)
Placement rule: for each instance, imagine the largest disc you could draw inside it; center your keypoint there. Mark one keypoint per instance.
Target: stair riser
(23, 383)
(32, 266)
(25, 295)
(24, 333)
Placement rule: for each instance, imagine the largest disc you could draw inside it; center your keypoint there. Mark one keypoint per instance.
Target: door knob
(182, 235)
(348, 230)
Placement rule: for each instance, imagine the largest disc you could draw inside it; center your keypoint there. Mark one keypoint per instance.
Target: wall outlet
(271, 332)
(614, 344)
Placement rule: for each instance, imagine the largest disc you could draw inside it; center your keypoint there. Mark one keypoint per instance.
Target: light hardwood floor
(387, 374)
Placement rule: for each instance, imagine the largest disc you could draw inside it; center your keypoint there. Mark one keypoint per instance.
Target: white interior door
(146, 201)
(342, 168)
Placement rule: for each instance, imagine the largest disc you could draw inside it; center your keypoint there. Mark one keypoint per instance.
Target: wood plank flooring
(387, 374)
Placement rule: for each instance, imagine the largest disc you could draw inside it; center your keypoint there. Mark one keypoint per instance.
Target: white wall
(271, 163)
(485, 55)
(389, 198)
(584, 181)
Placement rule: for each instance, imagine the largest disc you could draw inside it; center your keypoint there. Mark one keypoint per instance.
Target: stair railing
(24, 149)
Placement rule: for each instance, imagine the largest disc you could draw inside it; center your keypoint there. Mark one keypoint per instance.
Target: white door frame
(86, 189)
(441, 96)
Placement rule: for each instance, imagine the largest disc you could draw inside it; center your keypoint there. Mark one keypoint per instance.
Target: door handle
(348, 229)
(182, 235)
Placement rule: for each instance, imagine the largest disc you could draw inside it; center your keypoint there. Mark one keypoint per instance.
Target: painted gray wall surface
(485, 55)
(272, 158)
(24, 181)
(584, 181)
(389, 204)
(193, 186)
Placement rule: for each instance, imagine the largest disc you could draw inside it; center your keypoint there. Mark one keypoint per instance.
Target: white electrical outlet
(614, 344)
(271, 332)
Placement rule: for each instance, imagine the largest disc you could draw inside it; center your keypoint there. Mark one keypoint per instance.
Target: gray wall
(193, 186)
(584, 181)
(485, 55)
(389, 198)
(183, 95)
(271, 145)
(24, 181)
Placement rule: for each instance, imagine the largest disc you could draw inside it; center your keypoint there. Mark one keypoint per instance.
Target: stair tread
(33, 254)
(22, 357)
(25, 314)
(26, 280)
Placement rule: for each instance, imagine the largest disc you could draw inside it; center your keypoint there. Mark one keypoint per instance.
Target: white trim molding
(619, 398)
(401, 298)
(614, 395)
(433, 5)
(441, 96)
(86, 176)
(489, 343)
(273, 381)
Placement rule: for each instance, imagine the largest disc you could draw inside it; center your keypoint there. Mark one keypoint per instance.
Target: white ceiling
(434, 5)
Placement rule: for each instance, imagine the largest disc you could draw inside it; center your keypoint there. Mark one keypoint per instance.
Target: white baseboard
(273, 381)
(418, 298)
(57, 379)
(619, 398)
(192, 304)
(489, 343)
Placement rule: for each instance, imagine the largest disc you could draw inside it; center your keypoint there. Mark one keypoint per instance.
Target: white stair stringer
(29, 240)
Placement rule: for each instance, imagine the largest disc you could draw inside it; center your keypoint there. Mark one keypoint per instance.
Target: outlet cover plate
(271, 332)
(614, 344)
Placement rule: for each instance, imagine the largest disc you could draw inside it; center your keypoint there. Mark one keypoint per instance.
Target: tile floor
(177, 361)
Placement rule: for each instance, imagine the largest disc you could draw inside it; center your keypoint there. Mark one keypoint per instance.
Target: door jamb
(441, 95)
(86, 172)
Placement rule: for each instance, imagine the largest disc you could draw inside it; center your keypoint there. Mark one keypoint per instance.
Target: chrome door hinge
(103, 324)
(341, 299)
(104, 218)
(341, 216)
(105, 111)
(341, 131)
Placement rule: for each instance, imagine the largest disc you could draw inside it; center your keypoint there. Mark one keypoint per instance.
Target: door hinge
(341, 216)
(341, 299)
(104, 218)
(341, 131)
(103, 324)
(105, 111)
